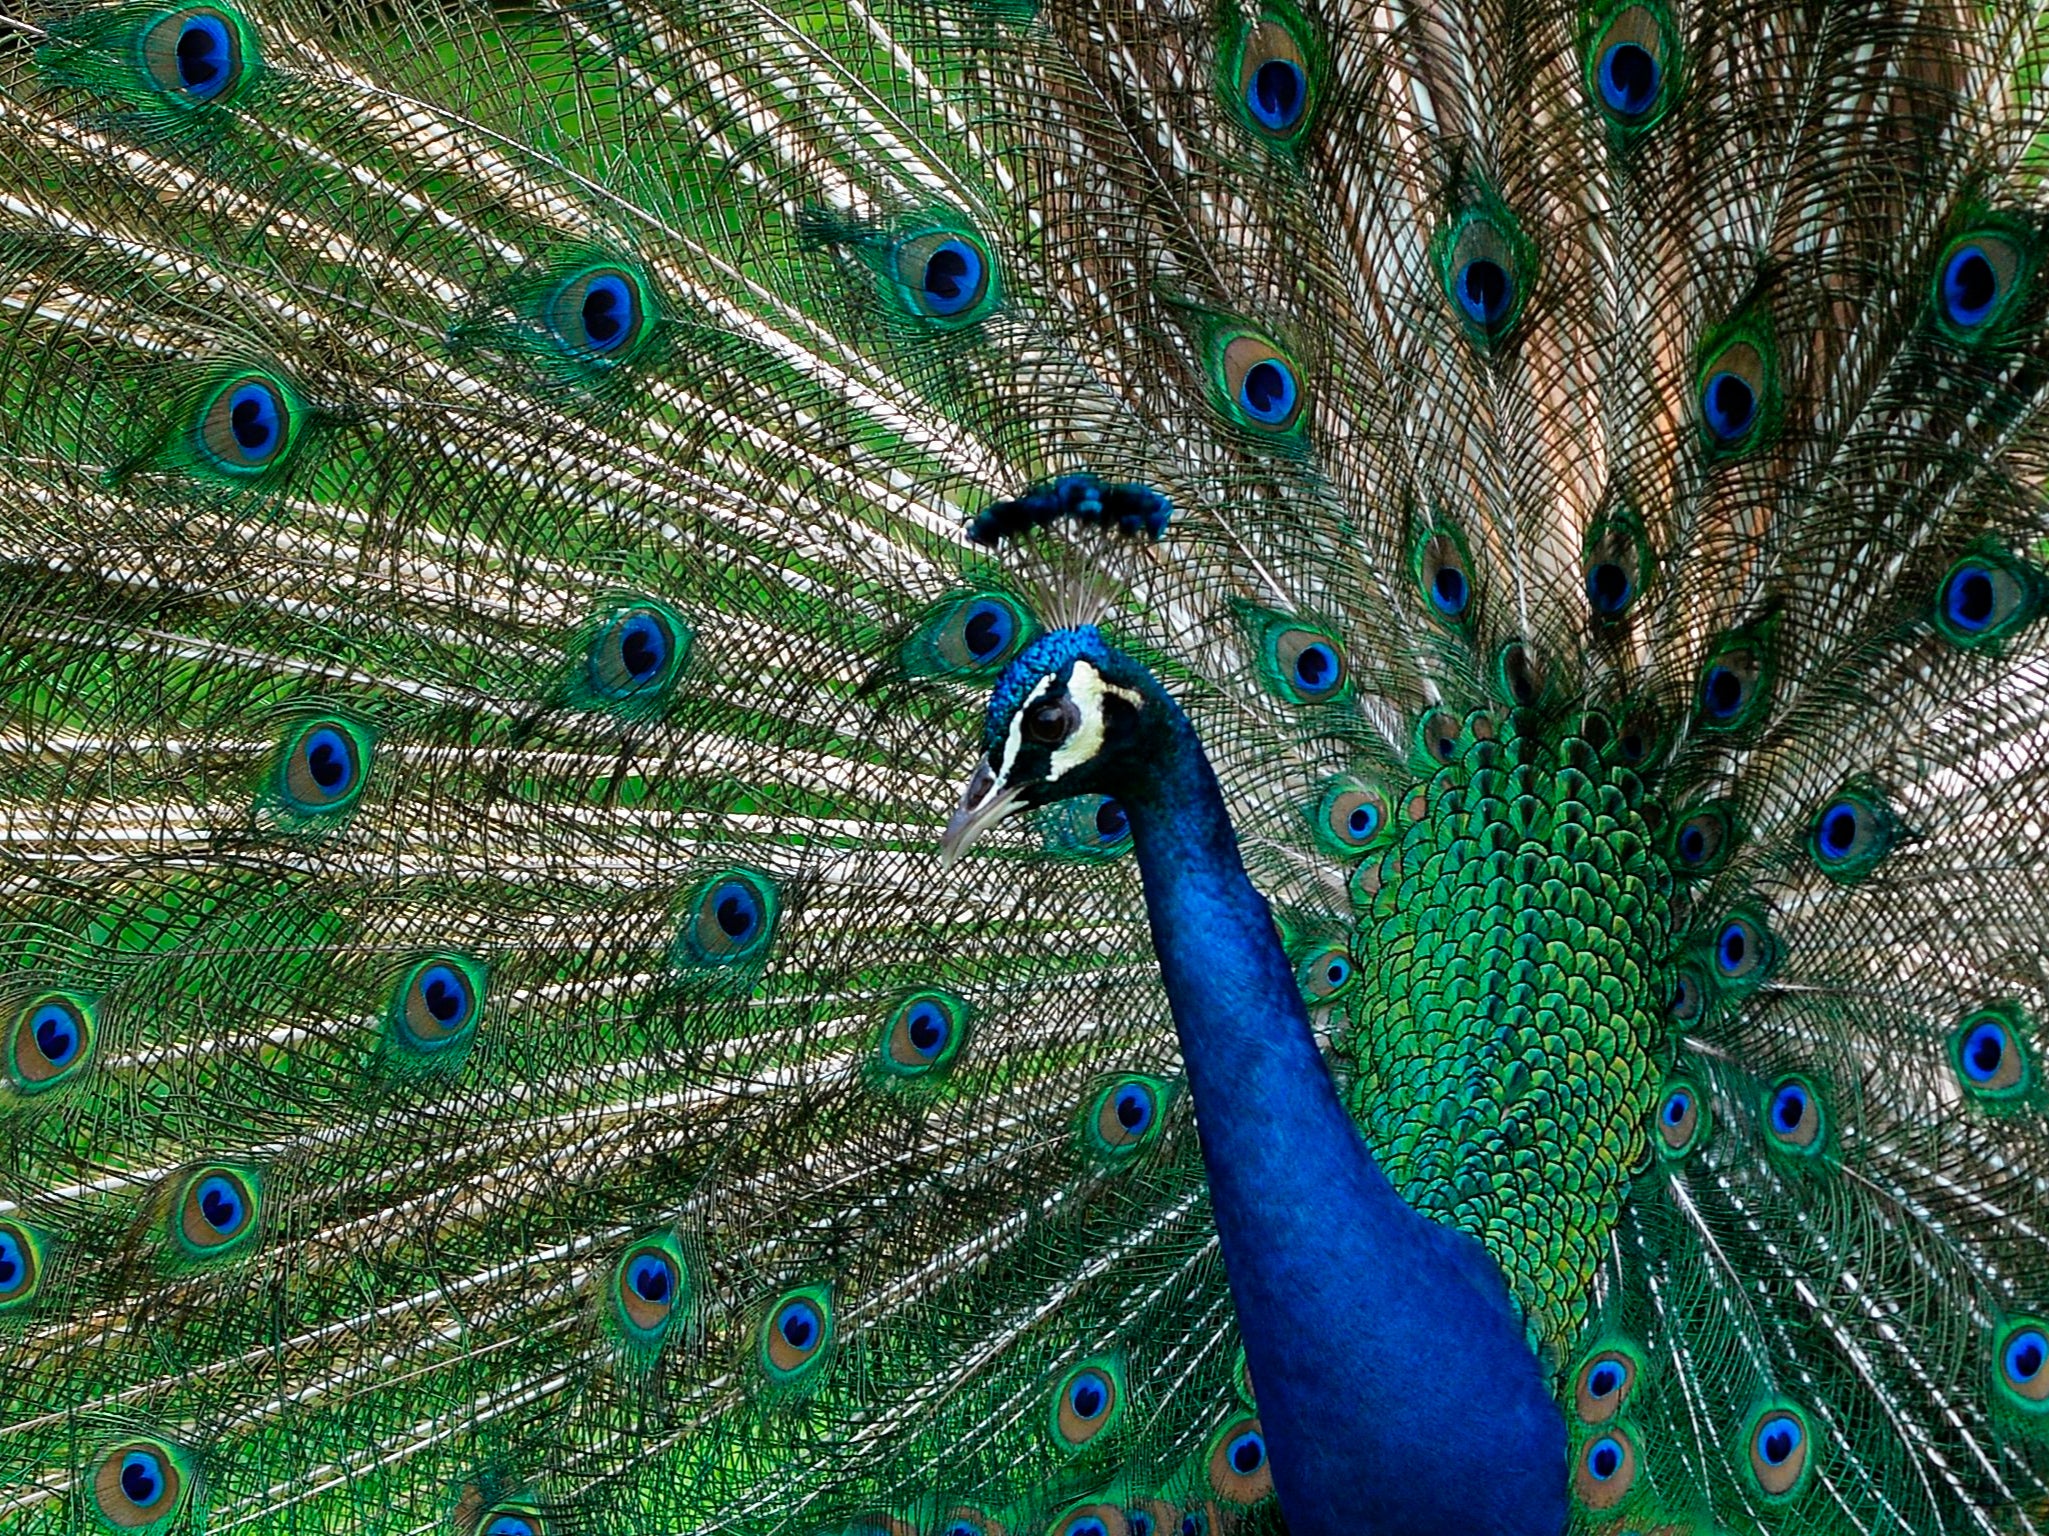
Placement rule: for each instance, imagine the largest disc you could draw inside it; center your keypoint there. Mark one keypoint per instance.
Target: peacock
(1024, 767)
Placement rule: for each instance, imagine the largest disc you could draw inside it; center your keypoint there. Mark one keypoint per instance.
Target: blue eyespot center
(255, 416)
(1984, 1052)
(221, 1204)
(1732, 948)
(1088, 1397)
(1678, 1104)
(1789, 1108)
(56, 1034)
(952, 278)
(929, 1029)
(1970, 287)
(1192, 1524)
(1364, 820)
(1970, 599)
(510, 1525)
(1604, 1458)
(1608, 587)
(1838, 831)
(1276, 94)
(1730, 404)
(1316, 667)
(1484, 291)
(1246, 1454)
(607, 313)
(1693, 845)
(1604, 1378)
(1723, 692)
(651, 1280)
(205, 57)
(142, 1478)
(736, 910)
(445, 995)
(988, 630)
(1268, 391)
(1134, 1109)
(2027, 1353)
(1449, 590)
(1629, 76)
(1088, 1526)
(1138, 1522)
(329, 763)
(798, 1323)
(1338, 972)
(1777, 1439)
(643, 647)
(13, 1263)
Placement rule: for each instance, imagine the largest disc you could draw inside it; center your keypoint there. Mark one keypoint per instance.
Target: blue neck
(1396, 1390)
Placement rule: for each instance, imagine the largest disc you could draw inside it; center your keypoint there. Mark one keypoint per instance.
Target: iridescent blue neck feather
(1395, 1386)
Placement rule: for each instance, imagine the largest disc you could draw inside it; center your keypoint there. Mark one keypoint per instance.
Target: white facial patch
(1085, 686)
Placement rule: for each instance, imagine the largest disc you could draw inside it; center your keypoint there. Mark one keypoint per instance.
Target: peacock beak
(982, 804)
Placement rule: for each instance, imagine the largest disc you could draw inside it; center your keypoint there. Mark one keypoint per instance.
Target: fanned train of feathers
(488, 644)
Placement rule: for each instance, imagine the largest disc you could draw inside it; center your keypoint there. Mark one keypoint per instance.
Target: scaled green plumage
(487, 646)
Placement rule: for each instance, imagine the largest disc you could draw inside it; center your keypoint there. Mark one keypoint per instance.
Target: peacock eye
(1793, 1117)
(1629, 79)
(637, 654)
(195, 56)
(1482, 265)
(1735, 389)
(599, 313)
(1273, 79)
(1628, 66)
(923, 1034)
(2023, 1356)
(1261, 383)
(649, 1284)
(323, 767)
(796, 1334)
(1604, 1384)
(139, 1486)
(952, 277)
(1087, 1402)
(1988, 1056)
(1049, 722)
(52, 1040)
(947, 275)
(1124, 1117)
(217, 1211)
(20, 1264)
(1701, 842)
(1778, 1452)
(1238, 1468)
(1606, 1470)
(1977, 280)
(1441, 567)
(1985, 597)
(732, 919)
(247, 425)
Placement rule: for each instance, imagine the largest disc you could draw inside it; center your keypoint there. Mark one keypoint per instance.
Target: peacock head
(1069, 717)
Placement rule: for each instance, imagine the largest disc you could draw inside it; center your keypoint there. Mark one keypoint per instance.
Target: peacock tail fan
(489, 637)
